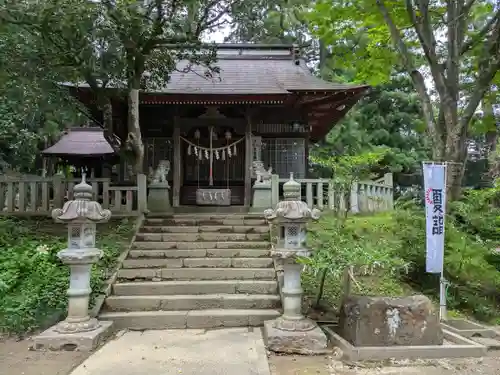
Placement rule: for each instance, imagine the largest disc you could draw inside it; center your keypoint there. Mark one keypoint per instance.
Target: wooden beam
(248, 159)
(177, 164)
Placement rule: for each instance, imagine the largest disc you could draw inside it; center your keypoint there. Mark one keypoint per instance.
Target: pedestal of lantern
(78, 330)
(292, 332)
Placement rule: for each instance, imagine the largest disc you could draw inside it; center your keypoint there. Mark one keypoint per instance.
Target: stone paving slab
(235, 351)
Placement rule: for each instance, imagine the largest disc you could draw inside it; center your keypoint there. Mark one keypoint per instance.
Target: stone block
(385, 321)
(82, 341)
(310, 342)
(262, 197)
(159, 198)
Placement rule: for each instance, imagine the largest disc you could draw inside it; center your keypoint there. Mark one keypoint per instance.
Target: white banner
(435, 209)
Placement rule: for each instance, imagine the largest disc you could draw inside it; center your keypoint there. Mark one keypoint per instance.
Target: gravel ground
(17, 359)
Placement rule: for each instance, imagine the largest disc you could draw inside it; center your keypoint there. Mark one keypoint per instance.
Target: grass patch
(33, 281)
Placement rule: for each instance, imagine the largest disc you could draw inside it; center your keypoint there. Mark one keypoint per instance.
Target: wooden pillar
(176, 193)
(248, 160)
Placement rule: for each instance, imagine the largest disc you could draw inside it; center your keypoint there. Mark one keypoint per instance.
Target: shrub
(33, 281)
(395, 243)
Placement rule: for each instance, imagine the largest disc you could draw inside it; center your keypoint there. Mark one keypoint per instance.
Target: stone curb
(108, 285)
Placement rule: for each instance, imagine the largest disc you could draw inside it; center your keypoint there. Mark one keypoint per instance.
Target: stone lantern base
(53, 339)
(312, 341)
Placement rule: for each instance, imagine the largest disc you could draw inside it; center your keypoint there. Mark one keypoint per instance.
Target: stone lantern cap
(81, 208)
(292, 208)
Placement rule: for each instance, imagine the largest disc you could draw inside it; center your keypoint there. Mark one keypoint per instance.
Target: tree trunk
(134, 137)
(107, 119)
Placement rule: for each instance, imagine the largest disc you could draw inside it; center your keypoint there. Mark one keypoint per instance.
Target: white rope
(215, 148)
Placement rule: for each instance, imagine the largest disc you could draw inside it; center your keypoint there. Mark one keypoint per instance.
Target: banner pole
(442, 281)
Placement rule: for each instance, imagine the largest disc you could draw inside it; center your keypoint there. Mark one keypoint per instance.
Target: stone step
(206, 236)
(195, 287)
(181, 245)
(199, 253)
(205, 221)
(205, 228)
(196, 273)
(141, 320)
(192, 302)
(198, 263)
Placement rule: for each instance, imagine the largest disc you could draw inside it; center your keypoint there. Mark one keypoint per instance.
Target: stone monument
(292, 332)
(389, 321)
(78, 331)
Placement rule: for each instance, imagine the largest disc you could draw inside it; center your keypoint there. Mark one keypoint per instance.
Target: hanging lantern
(197, 134)
(227, 134)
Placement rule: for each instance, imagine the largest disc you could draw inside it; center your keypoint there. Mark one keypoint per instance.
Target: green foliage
(33, 281)
(389, 250)
(32, 107)
(474, 282)
(478, 213)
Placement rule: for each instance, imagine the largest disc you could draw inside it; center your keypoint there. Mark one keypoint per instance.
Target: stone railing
(365, 196)
(39, 195)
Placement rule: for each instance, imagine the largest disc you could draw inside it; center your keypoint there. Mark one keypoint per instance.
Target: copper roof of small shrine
(81, 142)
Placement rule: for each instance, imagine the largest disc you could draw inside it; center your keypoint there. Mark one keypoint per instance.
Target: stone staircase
(196, 271)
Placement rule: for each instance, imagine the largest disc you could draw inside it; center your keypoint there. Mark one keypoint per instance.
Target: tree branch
(416, 76)
(491, 65)
(423, 28)
(473, 41)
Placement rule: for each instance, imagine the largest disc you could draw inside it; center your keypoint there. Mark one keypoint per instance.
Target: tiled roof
(248, 75)
(81, 142)
(247, 69)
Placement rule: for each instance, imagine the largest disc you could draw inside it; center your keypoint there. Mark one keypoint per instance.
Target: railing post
(388, 179)
(275, 189)
(142, 193)
(58, 190)
(354, 200)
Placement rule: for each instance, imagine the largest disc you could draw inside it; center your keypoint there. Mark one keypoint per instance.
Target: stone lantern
(78, 330)
(292, 332)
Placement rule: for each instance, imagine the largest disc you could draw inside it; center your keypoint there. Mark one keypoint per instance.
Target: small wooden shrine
(84, 148)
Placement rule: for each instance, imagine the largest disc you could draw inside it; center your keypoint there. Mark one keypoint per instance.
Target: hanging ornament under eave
(196, 151)
(229, 152)
(223, 154)
(189, 150)
(217, 155)
(200, 155)
(197, 134)
(234, 150)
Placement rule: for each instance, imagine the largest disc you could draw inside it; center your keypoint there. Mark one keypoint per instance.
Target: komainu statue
(161, 173)
(263, 176)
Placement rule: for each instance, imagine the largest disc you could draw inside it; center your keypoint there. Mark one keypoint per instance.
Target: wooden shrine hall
(222, 132)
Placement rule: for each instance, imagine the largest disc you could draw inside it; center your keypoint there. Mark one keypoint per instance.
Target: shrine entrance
(213, 159)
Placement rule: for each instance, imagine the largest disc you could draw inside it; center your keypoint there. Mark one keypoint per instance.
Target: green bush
(33, 281)
(359, 241)
(395, 244)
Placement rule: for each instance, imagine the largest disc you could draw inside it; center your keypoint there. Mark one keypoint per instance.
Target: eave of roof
(81, 142)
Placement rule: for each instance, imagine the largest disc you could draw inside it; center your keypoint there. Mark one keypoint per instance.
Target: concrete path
(181, 352)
